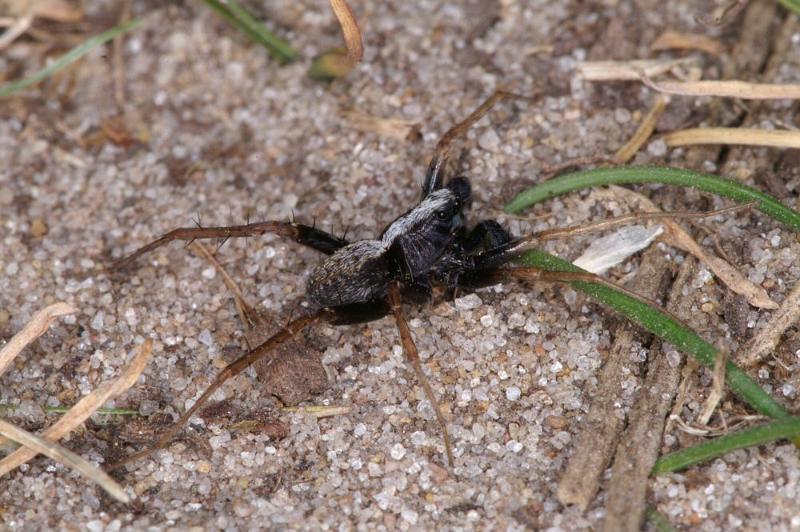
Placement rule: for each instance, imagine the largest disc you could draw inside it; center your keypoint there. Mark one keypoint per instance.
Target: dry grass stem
(717, 388)
(730, 135)
(66, 457)
(629, 70)
(725, 89)
(768, 338)
(242, 307)
(673, 40)
(318, 411)
(687, 374)
(19, 27)
(646, 128)
(119, 57)
(36, 327)
(84, 408)
(676, 236)
(395, 128)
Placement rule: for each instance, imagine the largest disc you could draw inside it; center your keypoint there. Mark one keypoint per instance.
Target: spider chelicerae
(428, 250)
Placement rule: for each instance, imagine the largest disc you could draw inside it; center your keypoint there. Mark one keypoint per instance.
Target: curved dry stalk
(350, 31)
(36, 327)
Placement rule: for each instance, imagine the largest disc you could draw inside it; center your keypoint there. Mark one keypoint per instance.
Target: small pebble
(398, 451)
(489, 140)
(38, 228)
(513, 393)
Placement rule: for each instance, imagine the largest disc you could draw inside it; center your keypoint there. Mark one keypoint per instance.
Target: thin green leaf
(667, 176)
(665, 327)
(241, 19)
(791, 5)
(777, 430)
(68, 58)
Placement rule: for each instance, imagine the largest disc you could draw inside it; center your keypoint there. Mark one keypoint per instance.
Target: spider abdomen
(356, 273)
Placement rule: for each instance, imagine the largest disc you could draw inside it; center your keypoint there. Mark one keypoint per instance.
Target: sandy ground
(226, 134)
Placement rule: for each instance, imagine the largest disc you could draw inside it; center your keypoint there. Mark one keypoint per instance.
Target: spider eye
(458, 204)
(441, 215)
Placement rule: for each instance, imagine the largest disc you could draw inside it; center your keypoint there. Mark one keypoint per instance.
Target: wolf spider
(427, 250)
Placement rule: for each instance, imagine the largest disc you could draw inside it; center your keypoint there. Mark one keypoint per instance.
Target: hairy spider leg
(412, 356)
(434, 176)
(502, 252)
(231, 370)
(302, 234)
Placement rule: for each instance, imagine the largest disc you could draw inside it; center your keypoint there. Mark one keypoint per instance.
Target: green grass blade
(777, 430)
(791, 5)
(667, 176)
(665, 327)
(242, 20)
(68, 58)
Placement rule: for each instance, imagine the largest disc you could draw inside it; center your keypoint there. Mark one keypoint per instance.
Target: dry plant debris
(66, 457)
(20, 15)
(639, 447)
(673, 40)
(84, 408)
(643, 132)
(33, 444)
(36, 327)
(675, 235)
(602, 426)
(630, 70)
(395, 128)
(768, 338)
(734, 135)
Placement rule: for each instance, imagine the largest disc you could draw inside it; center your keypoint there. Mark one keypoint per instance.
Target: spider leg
(499, 252)
(412, 356)
(302, 234)
(231, 370)
(435, 173)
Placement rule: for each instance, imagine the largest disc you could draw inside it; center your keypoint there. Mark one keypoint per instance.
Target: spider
(430, 250)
